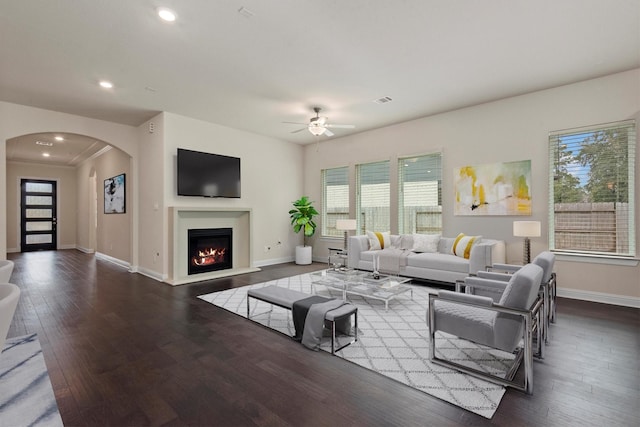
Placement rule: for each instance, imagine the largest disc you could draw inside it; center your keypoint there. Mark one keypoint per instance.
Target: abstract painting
(114, 194)
(493, 189)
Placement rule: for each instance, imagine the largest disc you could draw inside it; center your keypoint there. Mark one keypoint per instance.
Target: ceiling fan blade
(299, 130)
(296, 123)
(327, 132)
(329, 125)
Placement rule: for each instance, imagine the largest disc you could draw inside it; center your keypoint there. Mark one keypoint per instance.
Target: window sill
(596, 259)
(332, 238)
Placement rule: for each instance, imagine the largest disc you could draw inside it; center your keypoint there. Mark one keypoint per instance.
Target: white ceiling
(255, 72)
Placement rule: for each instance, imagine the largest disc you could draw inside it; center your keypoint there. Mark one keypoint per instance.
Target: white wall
(113, 232)
(153, 253)
(507, 130)
(271, 179)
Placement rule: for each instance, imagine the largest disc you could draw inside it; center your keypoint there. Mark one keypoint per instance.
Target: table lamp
(346, 225)
(526, 229)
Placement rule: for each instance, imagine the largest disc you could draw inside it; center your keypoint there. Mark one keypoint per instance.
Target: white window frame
(558, 169)
(333, 201)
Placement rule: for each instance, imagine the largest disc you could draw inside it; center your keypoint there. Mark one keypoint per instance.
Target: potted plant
(302, 220)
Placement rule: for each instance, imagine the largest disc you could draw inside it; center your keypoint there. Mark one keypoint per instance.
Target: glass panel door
(38, 215)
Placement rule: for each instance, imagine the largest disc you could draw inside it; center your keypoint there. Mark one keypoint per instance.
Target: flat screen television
(208, 175)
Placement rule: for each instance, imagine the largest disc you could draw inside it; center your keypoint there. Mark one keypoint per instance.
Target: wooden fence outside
(600, 227)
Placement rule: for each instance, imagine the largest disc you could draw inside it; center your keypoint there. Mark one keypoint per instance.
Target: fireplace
(209, 250)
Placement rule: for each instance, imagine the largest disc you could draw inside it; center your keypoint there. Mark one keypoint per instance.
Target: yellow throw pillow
(463, 244)
(379, 240)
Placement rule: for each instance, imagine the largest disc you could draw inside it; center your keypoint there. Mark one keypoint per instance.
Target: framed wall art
(493, 189)
(115, 195)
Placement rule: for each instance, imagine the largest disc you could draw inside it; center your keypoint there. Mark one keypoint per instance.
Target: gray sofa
(440, 266)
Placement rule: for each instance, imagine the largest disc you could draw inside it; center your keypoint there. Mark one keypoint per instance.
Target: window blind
(335, 199)
(420, 194)
(373, 196)
(591, 189)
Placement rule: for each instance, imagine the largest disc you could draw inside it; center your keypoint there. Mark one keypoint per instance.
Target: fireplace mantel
(181, 219)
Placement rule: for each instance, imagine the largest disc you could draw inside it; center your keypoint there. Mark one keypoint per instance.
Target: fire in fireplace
(209, 250)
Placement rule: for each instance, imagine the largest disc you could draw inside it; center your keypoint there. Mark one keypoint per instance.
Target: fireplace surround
(182, 219)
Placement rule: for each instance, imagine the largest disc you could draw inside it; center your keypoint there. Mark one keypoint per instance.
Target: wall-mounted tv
(208, 175)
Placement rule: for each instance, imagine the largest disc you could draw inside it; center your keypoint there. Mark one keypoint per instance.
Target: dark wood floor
(123, 349)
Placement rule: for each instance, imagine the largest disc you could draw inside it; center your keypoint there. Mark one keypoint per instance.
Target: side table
(337, 258)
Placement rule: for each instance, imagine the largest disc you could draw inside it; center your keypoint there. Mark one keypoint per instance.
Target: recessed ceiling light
(59, 138)
(105, 84)
(45, 154)
(45, 143)
(167, 14)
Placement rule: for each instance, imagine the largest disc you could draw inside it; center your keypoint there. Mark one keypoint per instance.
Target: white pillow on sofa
(425, 243)
(463, 244)
(406, 241)
(379, 240)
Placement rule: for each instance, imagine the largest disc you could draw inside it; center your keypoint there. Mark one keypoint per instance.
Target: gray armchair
(546, 260)
(6, 268)
(9, 295)
(503, 325)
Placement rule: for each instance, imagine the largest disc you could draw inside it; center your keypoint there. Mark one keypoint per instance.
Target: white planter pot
(303, 255)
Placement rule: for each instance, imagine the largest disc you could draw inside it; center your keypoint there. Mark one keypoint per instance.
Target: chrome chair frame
(531, 319)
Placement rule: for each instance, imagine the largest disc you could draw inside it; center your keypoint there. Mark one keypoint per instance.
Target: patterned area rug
(26, 395)
(393, 343)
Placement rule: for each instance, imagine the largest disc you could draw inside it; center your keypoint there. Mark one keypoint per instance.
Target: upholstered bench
(283, 297)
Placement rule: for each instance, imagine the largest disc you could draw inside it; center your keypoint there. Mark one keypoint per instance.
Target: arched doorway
(79, 164)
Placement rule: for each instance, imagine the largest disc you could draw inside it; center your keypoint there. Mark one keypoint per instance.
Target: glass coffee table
(362, 283)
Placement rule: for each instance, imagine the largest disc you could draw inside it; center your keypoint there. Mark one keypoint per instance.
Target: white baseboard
(273, 261)
(116, 261)
(623, 300)
(85, 250)
(151, 274)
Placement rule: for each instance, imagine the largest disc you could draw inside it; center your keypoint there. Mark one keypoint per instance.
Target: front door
(38, 215)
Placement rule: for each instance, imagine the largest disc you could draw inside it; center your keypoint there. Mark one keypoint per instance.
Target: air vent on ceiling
(245, 12)
(383, 100)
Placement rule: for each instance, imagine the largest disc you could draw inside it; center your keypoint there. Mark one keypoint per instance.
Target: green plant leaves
(302, 216)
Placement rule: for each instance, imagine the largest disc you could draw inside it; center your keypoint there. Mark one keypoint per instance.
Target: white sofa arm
(480, 257)
(356, 245)
(485, 253)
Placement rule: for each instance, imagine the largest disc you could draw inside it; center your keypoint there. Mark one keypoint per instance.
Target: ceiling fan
(318, 125)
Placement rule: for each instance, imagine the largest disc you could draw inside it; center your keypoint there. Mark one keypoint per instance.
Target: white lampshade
(346, 224)
(526, 228)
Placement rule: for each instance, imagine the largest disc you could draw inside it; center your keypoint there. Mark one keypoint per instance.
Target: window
(335, 199)
(420, 194)
(591, 188)
(373, 195)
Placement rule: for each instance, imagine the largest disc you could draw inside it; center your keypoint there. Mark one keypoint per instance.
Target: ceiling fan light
(167, 14)
(316, 129)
